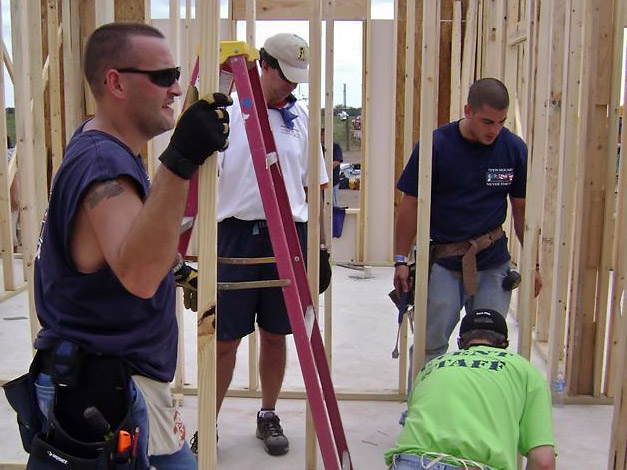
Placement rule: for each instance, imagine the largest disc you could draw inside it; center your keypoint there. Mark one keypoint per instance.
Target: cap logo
(302, 54)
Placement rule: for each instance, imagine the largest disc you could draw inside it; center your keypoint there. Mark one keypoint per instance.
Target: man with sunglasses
(242, 230)
(104, 285)
(476, 408)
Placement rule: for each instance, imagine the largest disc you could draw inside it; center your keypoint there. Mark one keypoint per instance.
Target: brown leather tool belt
(468, 250)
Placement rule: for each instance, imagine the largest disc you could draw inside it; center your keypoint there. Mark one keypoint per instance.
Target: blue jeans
(445, 299)
(417, 462)
(447, 296)
(180, 460)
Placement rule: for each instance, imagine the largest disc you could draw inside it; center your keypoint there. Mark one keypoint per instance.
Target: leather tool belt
(468, 250)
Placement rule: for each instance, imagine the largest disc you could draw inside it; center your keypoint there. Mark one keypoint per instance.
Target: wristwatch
(400, 260)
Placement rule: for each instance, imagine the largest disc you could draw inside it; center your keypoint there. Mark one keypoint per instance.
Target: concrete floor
(364, 331)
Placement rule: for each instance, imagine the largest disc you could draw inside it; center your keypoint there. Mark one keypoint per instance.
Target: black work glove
(325, 270)
(187, 278)
(202, 130)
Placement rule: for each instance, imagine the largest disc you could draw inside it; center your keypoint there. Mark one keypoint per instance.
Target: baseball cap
(484, 319)
(292, 53)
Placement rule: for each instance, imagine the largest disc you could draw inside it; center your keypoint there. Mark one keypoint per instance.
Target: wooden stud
(535, 181)
(468, 61)
(251, 18)
(428, 120)
(478, 73)
(54, 86)
(71, 67)
(444, 74)
(300, 10)
(207, 14)
(575, 326)
(614, 360)
(6, 222)
(366, 119)
(24, 136)
(554, 109)
(313, 193)
(618, 443)
(400, 11)
(87, 14)
(410, 54)
(455, 111)
(606, 268)
(40, 152)
(594, 145)
(125, 10)
(328, 144)
(253, 338)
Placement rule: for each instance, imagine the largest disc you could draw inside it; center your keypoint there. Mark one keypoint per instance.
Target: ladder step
(253, 284)
(266, 260)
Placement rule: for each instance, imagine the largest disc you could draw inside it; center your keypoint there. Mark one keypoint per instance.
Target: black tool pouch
(21, 396)
(76, 439)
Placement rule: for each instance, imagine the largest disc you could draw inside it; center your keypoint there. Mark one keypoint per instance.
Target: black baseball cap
(484, 319)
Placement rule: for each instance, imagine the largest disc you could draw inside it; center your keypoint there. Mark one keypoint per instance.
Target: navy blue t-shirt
(95, 310)
(470, 185)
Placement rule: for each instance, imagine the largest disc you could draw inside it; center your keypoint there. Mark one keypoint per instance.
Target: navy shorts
(237, 309)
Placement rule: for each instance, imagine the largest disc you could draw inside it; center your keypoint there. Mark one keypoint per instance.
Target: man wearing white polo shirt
(242, 230)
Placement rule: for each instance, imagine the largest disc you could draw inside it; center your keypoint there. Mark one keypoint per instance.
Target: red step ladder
(239, 60)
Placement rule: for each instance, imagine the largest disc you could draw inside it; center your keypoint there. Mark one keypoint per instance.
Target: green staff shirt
(482, 404)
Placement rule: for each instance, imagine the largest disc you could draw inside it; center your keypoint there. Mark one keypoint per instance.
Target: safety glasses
(163, 78)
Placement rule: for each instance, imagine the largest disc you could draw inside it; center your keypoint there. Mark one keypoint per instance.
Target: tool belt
(468, 250)
(89, 425)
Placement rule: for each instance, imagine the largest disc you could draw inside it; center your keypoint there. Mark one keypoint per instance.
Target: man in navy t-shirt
(104, 264)
(477, 165)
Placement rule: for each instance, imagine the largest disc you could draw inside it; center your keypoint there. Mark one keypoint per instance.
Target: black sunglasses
(163, 77)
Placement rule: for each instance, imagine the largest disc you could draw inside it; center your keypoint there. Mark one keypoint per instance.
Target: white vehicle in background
(343, 115)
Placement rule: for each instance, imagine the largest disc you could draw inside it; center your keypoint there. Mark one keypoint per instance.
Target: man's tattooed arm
(101, 191)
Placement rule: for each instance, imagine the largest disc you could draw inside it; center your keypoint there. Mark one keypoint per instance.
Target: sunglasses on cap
(162, 78)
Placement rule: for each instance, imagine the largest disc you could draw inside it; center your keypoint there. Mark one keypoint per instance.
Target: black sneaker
(270, 431)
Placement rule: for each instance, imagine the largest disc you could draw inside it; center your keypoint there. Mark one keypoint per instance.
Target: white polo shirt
(238, 192)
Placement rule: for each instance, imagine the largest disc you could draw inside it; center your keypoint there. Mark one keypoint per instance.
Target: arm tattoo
(106, 190)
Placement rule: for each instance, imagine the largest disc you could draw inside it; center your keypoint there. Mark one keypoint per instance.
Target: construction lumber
(575, 308)
(127, 10)
(54, 86)
(444, 75)
(208, 14)
(587, 316)
(24, 136)
(73, 106)
(400, 11)
(614, 360)
(552, 150)
(328, 194)
(6, 222)
(366, 119)
(40, 153)
(251, 18)
(428, 123)
(301, 10)
(606, 265)
(468, 61)
(618, 443)
(455, 109)
(313, 193)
